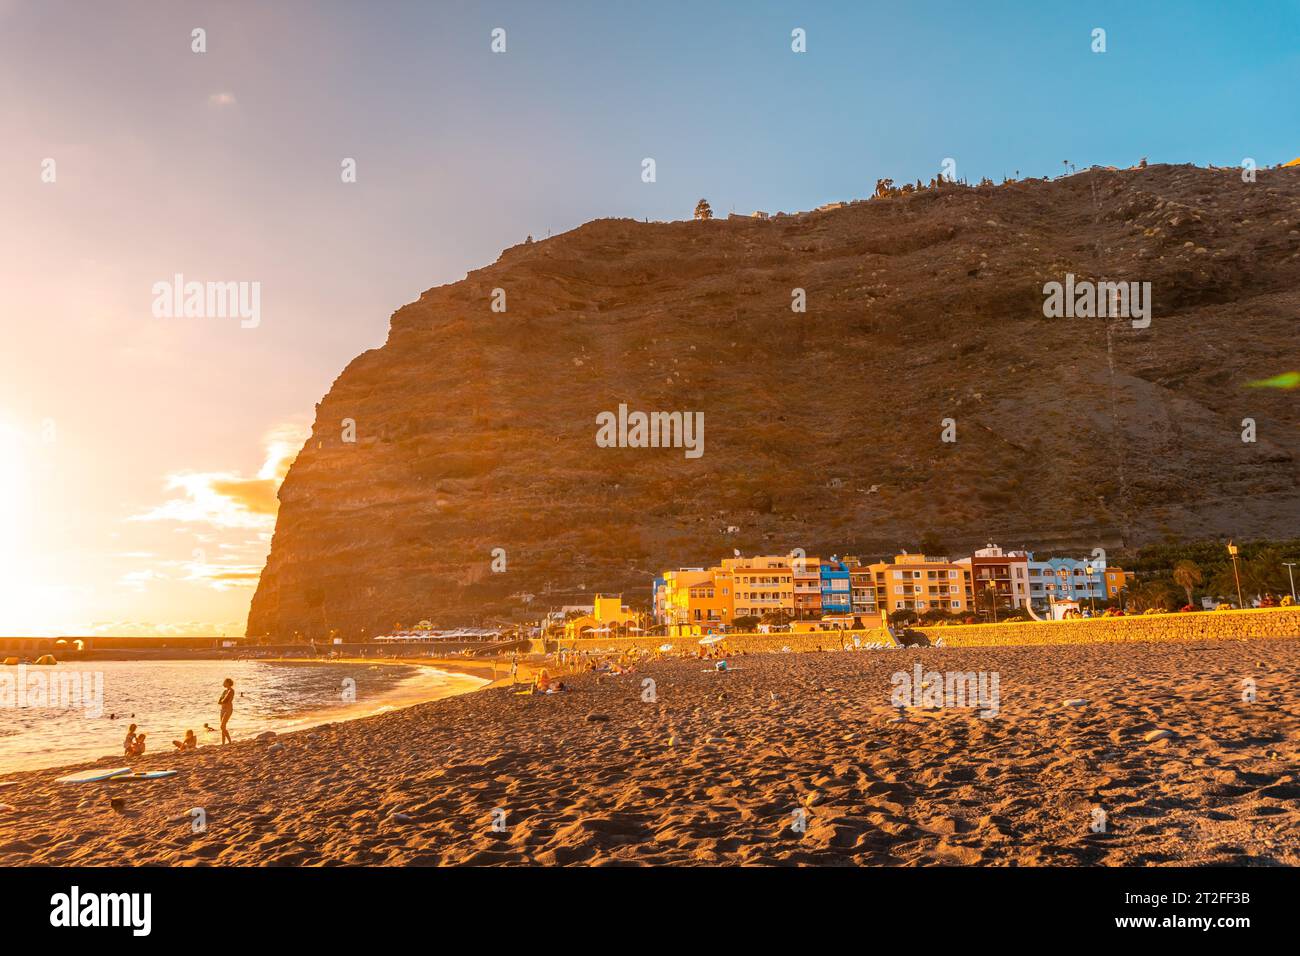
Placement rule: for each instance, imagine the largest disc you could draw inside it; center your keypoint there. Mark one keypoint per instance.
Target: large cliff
(476, 430)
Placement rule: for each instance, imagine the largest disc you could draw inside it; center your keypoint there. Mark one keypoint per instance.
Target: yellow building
(919, 583)
(761, 585)
(608, 615)
(696, 600)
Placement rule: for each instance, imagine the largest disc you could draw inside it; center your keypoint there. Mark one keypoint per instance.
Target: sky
(140, 453)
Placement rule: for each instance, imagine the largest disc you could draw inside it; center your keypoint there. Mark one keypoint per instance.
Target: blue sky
(225, 165)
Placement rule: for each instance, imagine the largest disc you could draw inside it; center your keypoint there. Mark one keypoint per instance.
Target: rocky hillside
(476, 430)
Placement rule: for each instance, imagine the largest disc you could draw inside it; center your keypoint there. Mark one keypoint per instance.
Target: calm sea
(167, 698)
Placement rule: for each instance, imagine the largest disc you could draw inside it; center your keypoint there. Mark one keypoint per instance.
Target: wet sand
(788, 759)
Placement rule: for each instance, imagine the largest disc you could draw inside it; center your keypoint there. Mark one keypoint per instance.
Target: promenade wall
(1198, 626)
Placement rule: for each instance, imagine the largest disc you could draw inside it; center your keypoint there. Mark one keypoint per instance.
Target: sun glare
(13, 480)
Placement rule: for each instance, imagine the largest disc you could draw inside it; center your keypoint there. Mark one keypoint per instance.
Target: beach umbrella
(711, 639)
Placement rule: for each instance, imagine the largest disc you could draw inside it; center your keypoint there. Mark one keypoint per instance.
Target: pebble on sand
(1157, 735)
(597, 718)
(1076, 702)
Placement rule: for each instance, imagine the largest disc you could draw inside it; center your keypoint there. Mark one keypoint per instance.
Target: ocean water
(89, 704)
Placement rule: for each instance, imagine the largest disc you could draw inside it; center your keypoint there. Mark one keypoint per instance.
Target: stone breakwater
(1210, 625)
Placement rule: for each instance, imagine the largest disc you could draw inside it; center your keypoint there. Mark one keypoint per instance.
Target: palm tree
(1150, 594)
(1187, 575)
(703, 210)
(1264, 573)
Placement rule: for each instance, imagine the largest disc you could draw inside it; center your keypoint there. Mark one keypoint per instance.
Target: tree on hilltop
(703, 210)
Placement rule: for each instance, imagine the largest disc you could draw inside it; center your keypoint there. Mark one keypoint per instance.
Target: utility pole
(1291, 574)
(1232, 550)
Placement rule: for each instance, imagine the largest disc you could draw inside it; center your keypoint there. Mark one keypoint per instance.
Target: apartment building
(1066, 579)
(862, 591)
(998, 574)
(807, 577)
(920, 583)
(761, 585)
(835, 587)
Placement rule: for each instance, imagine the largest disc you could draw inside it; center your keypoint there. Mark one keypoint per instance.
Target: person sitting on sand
(542, 682)
(129, 743)
(189, 743)
(137, 748)
(227, 702)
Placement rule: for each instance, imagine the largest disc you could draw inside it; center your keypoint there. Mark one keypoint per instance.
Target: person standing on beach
(129, 744)
(227, 703)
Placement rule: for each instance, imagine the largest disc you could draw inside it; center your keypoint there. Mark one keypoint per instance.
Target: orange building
(761, 585)
(919, 583)
(1115, 579)
(696, 600)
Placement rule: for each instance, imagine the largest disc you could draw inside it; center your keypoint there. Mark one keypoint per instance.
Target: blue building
(836, 591)
(1065, 579)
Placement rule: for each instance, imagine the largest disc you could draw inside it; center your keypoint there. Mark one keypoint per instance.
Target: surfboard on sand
(93, 776)
(145, 775)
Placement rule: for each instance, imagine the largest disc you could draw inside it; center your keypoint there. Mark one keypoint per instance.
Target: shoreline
(312, 719)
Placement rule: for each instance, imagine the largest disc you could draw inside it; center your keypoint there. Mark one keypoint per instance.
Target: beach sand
(719, 766)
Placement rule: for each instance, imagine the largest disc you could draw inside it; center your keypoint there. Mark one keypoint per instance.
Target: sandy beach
(786, 759)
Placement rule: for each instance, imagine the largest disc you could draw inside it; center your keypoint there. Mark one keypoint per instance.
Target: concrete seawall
(1209, 625)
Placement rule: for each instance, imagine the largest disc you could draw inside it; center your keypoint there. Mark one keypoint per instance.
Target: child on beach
(137, 748)
(189, 743)
(227, 702)
(129, 743)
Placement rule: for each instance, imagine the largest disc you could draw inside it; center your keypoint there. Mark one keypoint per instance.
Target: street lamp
(1064, 575)
(1092, 594)
(1291, 575)
(1232, 550)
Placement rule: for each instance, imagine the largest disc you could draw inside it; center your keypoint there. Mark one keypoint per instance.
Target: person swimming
(227, 702)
